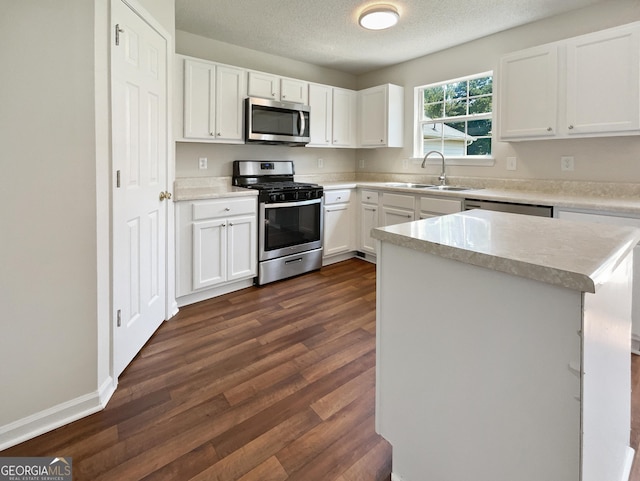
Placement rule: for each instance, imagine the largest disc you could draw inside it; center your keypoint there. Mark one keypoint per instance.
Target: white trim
(56, 416)
(395, 477)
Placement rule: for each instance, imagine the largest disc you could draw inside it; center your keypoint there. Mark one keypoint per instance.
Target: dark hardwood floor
(266, 384)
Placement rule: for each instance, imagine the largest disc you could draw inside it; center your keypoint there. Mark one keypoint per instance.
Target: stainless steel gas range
(290, 225)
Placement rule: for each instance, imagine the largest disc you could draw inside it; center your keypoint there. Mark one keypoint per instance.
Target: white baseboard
(56, 416)
(395, 477)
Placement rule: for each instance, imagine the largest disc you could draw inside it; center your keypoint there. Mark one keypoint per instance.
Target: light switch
(511, 163)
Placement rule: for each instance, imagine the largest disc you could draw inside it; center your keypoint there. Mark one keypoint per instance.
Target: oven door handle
(276, 205)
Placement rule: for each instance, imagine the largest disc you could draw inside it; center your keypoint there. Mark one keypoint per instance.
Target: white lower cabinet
(369, 213)
(338, 222)
(216, 245)
(434, 206)
(397, 208)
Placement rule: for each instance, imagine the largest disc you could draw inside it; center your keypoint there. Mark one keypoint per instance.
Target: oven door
(289, 228)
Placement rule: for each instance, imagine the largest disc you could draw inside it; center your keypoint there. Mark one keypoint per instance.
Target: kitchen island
(503, 348)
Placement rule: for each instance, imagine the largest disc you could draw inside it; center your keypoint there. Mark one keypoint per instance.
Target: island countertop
(574, 255)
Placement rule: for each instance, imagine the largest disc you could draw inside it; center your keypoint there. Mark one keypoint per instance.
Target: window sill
(471, 161)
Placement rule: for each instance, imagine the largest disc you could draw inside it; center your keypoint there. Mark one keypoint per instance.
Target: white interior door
(139, 136)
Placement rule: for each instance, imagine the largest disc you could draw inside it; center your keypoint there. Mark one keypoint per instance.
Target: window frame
(419, 121)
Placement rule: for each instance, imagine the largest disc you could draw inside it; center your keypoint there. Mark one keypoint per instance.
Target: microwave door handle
(301, 123)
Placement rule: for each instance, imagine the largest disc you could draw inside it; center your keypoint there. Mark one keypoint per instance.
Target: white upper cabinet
(381, 116)
(332, 117)
(529, 93)
(273, 87)
(603, 82)
(344, 118)
(320, 120)
(585, 86)
(213, 96)
(264, 85)
(292, 90)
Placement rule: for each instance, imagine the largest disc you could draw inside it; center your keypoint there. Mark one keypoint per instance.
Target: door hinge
(118, 32)
(117, 179)
(119, 318)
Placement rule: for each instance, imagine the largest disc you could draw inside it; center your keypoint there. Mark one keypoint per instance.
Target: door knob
(165, 195)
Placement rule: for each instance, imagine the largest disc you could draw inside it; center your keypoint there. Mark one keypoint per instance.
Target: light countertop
(568, 198)
(199, 188)
(574, 255)
(613, 198)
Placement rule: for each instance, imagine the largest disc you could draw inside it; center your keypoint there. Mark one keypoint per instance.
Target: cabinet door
(242, 241)
(344, 118)
(373, 116)
(230, 92)
(529, 93)
(603, 90)
(199, 88)
(320, 101)
(337, 229)
(209, 253)
(264, 85)
(394, 215)
(368, 221)
(292, 90)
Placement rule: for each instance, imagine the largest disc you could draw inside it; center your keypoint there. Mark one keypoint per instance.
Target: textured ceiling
(326, 32)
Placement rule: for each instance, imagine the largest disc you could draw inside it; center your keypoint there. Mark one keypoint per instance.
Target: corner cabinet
(213, 96)
(587, 86)
(216, 245)
(381, 116)
(333, 116)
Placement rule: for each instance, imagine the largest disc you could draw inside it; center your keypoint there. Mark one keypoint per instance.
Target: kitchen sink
(408, 185)
(449, 187)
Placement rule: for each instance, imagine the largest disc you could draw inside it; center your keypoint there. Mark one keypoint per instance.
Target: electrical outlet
(320, 163)
(511, 163)
(202, 163)
(405, 163)
(361, 163)
(566, 163)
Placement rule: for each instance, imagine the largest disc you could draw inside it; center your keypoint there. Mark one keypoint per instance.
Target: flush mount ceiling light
(379, 17)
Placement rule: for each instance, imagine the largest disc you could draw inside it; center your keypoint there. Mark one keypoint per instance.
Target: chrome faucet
(443, 176)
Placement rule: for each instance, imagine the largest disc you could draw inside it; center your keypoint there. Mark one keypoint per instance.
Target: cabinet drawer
(369, 197)
(337, 196)
(440, 206)
(206, 209)
(398, 200)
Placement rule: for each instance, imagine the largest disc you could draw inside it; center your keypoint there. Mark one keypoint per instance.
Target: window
(455, 117)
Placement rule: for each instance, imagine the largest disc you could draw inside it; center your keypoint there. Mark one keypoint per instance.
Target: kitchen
(76, 222)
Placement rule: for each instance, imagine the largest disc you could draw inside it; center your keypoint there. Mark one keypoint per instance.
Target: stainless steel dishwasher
(514, 208)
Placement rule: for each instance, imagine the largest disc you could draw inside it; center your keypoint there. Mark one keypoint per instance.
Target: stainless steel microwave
(272, 122)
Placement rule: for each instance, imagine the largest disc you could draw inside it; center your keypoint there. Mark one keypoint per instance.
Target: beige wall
(606, 159)
(48, 332)
(206, 48)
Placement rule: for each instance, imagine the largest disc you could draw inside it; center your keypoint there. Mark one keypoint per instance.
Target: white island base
(489, 376)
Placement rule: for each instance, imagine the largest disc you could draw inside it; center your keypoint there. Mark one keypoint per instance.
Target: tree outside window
(455, 117)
